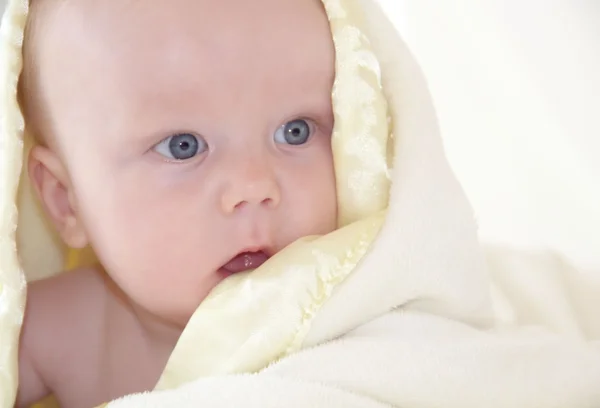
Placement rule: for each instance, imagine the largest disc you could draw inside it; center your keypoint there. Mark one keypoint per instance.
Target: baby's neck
(161, 335)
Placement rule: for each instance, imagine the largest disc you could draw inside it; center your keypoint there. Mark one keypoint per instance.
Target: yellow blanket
(396, 308)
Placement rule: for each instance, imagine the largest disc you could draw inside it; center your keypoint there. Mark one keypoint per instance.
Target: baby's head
(179, 134)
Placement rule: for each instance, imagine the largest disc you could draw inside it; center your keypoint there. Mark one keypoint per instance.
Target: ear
(50, 179)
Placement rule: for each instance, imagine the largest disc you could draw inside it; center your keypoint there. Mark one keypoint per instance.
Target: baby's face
(192, 131)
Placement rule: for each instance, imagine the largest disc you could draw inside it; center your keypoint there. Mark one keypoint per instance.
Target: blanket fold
(399, 307)
(437, 362)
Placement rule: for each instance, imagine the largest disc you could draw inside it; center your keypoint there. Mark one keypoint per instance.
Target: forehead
(216, 38)
(225, 28)
(126, 58)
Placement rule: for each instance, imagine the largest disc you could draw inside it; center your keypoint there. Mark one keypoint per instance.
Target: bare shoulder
(63, 317)
(64, 302)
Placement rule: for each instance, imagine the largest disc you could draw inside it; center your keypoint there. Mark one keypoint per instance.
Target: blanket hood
(407, 236)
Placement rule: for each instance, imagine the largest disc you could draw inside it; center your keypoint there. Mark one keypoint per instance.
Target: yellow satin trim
(12, 280)
(252, 320)
(76, 258)
(73, 259)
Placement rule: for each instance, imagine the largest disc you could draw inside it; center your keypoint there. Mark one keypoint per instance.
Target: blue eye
(181, 147)
(296, 132)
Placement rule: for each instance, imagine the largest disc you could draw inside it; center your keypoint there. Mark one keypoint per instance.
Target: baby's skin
(184, 141)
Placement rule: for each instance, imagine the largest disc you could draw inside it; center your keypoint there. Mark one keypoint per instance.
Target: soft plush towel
(399, 307)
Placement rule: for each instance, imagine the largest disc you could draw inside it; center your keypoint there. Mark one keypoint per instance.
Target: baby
(184, 141)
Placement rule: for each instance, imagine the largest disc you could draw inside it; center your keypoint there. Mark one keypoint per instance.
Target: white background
(517, 89)
(516, 84)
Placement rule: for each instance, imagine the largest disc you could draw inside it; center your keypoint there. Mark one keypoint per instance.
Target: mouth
(245, 261)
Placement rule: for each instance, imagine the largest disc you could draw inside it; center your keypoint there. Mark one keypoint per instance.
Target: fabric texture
(399, 307)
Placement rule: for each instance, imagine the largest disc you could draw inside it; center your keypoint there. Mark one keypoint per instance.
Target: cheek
(149, 236)
(156, 245)
(313, 196)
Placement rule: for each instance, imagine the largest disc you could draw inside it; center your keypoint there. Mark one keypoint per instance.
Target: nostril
(239, 196)
(267, 202)
(241, 205)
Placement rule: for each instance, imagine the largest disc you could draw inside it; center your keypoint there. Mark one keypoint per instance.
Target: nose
(251, 184)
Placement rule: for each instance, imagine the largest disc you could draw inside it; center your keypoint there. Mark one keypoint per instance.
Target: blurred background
(516, 84)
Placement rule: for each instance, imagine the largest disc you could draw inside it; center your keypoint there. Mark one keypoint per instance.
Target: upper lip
(266, 249)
